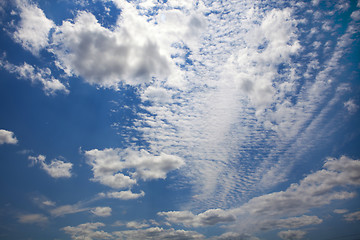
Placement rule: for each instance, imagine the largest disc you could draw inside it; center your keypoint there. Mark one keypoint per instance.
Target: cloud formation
(110, 165)
(33, 219)
(102, 211)
(35, 75)
(87, 231)
(7, 137)
(292, 234)
(34, 27)
(56, 168)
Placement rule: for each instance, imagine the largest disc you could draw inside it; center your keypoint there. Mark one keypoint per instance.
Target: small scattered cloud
(355, 216)
(292, 234)
(110, 166)
(207, 218)
(87, 231)
(56, 168)
(50, 85)
(351, 106)
(136, 225)
(102, 211)
(39, 219)
(341, 211)
(124, 195)
(7, 137)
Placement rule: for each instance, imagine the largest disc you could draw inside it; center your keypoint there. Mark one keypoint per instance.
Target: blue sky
(179, 119)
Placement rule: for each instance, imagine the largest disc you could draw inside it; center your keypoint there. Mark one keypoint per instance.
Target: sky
(179, 119)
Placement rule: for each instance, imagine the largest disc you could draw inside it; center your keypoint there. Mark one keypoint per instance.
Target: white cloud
(87, 231)
(315, 190)
(340, 211)
(7, 137)
(234, 236)
(110, 166)
(102, 211)
(33, 30)
(351, 106)
(355, 216)
(294, 222)
(67, 209)
(33, 219)
(81, 45)
(356, 15)
(158, 233)
(292, 234)
(136, 225)
(56, 168)
(209, 217)
(124, 195)
(281, 210)
(35, 75)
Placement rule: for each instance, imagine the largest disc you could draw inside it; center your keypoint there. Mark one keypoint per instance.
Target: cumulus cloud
(110, 166)
(82, 44)
(158, 233)
(56, 168)
(292, 234)
(102, 211)
(207, 218)
(355, 216)
(35, 75)
(7, 137)
(124, 195)
(87, 231)
(34, 27)
(33, 219)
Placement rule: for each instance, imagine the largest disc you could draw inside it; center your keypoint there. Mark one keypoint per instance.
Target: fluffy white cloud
(158, 233)
(102, 211)
(209, 217)
(35, 75)
(82, 44)
(33, 219)
(33, 29)
(124, 195)
(110, 166)
(292, 234)
(355, 216)
(7, 137)
(87, 231)
(56, 168)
